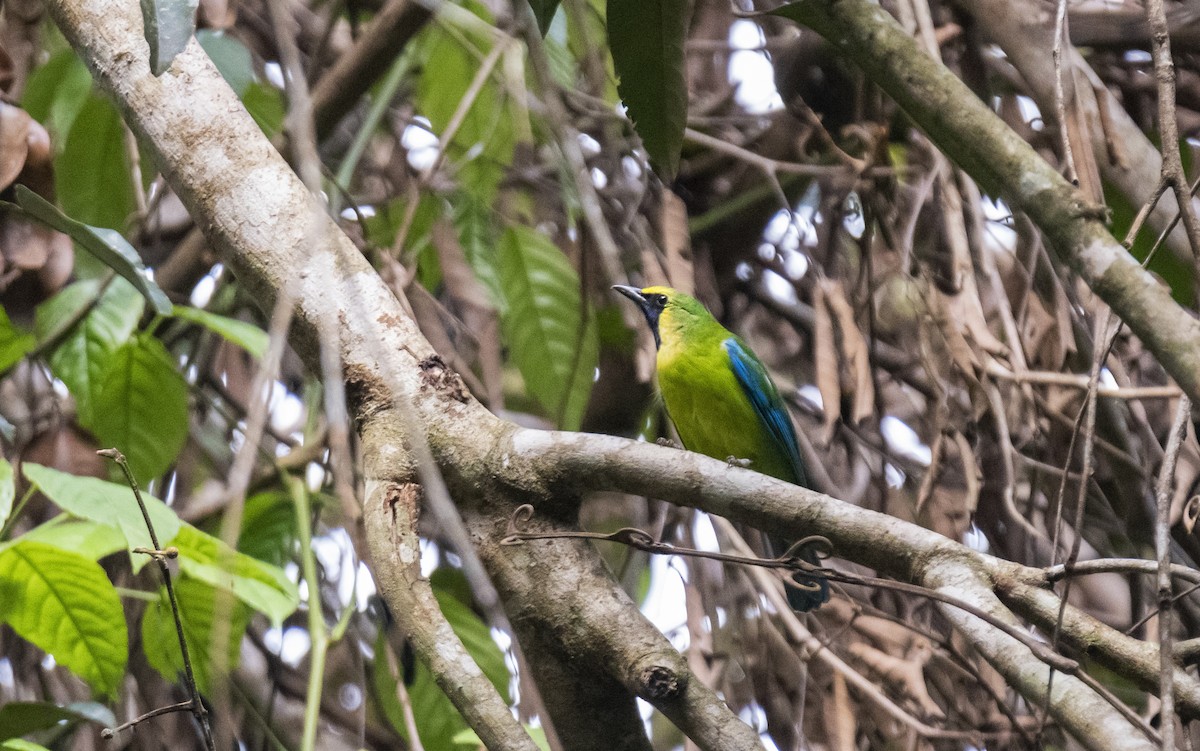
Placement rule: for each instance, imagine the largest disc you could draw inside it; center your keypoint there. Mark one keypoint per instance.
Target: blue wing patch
(768, 405)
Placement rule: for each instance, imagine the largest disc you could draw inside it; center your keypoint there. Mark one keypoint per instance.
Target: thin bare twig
(194, 704)
(1162, 544)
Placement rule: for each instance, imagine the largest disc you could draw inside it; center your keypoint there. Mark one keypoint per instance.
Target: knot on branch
(659, 682)
(436, 375)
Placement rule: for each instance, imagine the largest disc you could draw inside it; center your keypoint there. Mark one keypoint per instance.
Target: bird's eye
(660, 300)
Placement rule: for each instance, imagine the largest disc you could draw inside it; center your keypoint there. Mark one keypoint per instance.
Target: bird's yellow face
(668, 311)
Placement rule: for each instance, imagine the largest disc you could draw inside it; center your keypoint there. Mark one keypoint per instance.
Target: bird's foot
(733, 461)
(668, 443)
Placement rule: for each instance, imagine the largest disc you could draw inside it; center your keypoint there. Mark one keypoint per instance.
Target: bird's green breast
(709, 408)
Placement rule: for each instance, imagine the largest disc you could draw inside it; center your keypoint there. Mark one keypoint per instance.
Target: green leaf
(106, 245)
(82, 356)
(92, 175)
(647, 37)
(56, 93)
(268, 528)
(197, 609)
(544, 326)
(230, 56)
(543, 11)
(245, 335)
(264, 587)
(477, 233)
(265, 105)
(8, 490)
(14, 343)
(19, 718)
(168, 26)
(64, 604)
(106, 503)
(19, 744)
(92, 540)
(142, 407)
(482, 147)
(437, 720)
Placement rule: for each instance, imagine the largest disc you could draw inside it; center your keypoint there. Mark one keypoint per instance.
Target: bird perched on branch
(723, 403)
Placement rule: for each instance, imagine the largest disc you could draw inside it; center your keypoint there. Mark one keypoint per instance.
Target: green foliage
(198, 612)
(106, 245)
(86, 346)
(64, 603)
(245, 335)
(482, 147)
(437, 721)
(92, 174)
(264, 587)
(231, 57)
(268, 527)
(142, 406)
(14, 343)
(107, 503)
(554, 346)
(168, 26)
(1176, 272)
(647, 39)
(90, 539)
(18, 718)
(56, 93)
(18, 744)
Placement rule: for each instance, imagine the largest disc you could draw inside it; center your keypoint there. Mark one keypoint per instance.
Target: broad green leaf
(477, 233)
(543, 11)
(82, 356)
(106, 245)
(106, 503)
(482, 147)
(14, 343)
(19, 718)
(437, 721)
(265, 104)
(8, 490)
(56, 93)
(268, 528)
(142, 407)
(469, 739)
(544, 327)
(646, 38)
(64, 604)
(197, 602)
(245, 335)
(168, 26)
(263, 587)
(19, 744)
(92, 540)
(93, 175)
(230, 56)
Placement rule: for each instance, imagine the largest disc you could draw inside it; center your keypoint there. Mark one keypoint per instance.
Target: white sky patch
(274, 74)
(703, 534)
(779, 287)
(599, 179)
(1000, 232)
(795, 264)
(287, 409)
(1138, 56)
(811, 394)
(590, 146)
(352, 213)
(904, 440)
(420, 143)
(665, 600)
(749, 69)
(974, 539)
(203, 291)
(1030, 113)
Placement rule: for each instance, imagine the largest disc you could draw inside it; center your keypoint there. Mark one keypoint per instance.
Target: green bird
(722, 401)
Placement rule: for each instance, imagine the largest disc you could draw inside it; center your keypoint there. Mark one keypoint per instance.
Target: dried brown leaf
(677, 243)
(826, 366)
(14, 142)
(841, 726)
(855, 354)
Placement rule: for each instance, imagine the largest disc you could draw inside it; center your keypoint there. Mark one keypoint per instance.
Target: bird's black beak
(650, 311)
